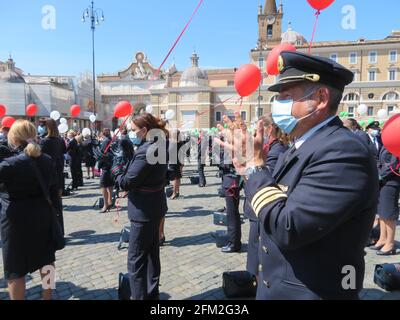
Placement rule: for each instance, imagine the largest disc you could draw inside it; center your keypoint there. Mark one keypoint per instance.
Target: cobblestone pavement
(192, 265)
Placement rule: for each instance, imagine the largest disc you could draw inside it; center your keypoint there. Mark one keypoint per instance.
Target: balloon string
(314, 30)
(157, 73)
(397, 168)
(116, 135)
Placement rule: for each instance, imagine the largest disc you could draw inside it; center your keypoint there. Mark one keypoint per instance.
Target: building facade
(375, 64)
(49, 93)
(201, 97)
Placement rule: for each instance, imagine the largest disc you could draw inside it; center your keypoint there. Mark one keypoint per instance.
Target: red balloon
(123, 109)
(3, 110)
(75, 110)
(7, 122)
(320, 4)
(247, 79)
(31, 110)
(390, 135)
(273, 56)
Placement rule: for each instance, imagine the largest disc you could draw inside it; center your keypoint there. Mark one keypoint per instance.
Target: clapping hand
(247, 150)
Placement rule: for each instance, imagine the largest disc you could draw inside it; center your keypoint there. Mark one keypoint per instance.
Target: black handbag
(194, 180)
(387, 276)
(124, 288)
(56, 229)
(220, 218)
(239, 284)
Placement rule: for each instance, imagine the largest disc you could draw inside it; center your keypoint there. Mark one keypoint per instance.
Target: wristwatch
(251, 170)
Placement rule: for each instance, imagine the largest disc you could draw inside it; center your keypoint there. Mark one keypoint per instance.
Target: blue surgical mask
(136, 141)
(41, 130)
(282, 114)
(374, 133)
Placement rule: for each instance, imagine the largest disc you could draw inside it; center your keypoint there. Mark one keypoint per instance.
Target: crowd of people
(312, 184)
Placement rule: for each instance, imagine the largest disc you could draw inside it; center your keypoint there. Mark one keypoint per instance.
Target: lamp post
(95, 16)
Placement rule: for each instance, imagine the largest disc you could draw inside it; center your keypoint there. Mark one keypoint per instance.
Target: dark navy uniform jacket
(316, 213)
(275, 150)
(386, 163)
(145, 182)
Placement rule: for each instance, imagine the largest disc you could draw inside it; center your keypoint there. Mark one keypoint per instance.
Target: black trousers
(76, 173)
(232, 199)
(202, 177)
(144, 266)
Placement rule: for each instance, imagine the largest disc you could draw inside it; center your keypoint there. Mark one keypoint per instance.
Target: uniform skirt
(27, 244)
(388, 206)
(106, 179)
(90, 162)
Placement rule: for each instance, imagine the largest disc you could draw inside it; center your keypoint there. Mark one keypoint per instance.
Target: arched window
(352, 96)
(390, 96)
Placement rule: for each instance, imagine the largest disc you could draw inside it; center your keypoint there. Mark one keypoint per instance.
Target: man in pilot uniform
(317, 209)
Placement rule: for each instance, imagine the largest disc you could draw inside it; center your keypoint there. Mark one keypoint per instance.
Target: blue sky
(222, 33)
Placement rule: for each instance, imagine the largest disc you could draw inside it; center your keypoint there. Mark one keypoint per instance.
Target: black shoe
(387, 253)
(376, 248)
(230, 248)
(162, 241)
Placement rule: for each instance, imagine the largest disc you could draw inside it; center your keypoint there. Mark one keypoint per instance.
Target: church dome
(293, 37)
(194, 76)
(10, 74)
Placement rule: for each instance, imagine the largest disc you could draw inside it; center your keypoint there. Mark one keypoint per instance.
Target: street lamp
(95, 16)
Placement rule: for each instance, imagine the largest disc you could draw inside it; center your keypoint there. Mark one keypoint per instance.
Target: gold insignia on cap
(281, 64)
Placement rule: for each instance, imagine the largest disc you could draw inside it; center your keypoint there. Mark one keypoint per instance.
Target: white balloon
(63, 120)
(149, 109)
(382, 114)
(55, 115)
(63, 128)
(86, 132)
(169, 115)
(362, 109)
(92, 118)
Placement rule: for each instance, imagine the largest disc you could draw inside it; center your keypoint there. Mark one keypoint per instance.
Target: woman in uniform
(75, 160)
(147, 205)
(26, 217)
(54, 146)
(388, 206)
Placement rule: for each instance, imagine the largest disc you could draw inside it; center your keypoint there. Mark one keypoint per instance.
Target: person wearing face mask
(41, 129)
(373, 131)
(275, 143)
(145, 181)
(316, 210)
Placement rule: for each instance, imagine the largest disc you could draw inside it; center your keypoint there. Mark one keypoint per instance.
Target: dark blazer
(319, 219)
(386, 163)
(275, 150)
(55, 147)
(367, 140)
(26, 215)
(145, 183)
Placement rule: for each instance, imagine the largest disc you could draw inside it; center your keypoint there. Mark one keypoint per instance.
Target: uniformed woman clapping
(147, 205)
